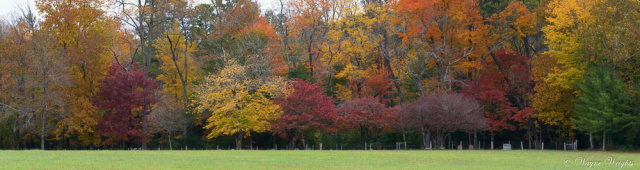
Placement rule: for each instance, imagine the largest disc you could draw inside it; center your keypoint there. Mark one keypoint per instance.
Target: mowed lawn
(281, 159)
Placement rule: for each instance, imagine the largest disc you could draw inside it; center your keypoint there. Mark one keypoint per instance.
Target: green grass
(267, 159)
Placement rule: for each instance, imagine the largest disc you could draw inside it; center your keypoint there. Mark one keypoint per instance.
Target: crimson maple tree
(442, 113)
(509, 74)
(122, 96)
(380, 85)
(366, 115)
(304, 109)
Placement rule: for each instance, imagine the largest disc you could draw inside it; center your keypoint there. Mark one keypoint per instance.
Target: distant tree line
(351, 74)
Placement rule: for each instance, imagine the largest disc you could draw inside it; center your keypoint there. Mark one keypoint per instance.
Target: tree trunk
(475, 139)
(469, 138)
(604, 140)
(185, 130)
(531, 127)
(549, 136)
(525, 40)
(304, 145)
(170, 145)
(424, 138)
(418, 84)
(591, 140)
(18, 136)
(387, 65)
(492, 141)
(238, 140)
(146, 65)
(144, 130)
(44, 106)
(449, 135)
(439, 140)
(404, 135)
(273, 139)
(310, 56)
(250, 142)
(429, 139)
(529, 137)
(186, 73)
(363, 134)
(330, 83)
(292, 140)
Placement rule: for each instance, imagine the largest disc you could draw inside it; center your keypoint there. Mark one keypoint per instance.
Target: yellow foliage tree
(562, 66)
(580, 34)
(553, 104)
(566, 19)
(239, 103)
(354, 44)
(179, 69)
(82, 30)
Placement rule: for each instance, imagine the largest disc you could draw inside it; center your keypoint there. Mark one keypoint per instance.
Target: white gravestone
(506, 146)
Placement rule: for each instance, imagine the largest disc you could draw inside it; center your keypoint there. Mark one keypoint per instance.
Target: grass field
(267, 159)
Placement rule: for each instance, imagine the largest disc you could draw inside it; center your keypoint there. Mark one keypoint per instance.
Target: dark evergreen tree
(601, 103)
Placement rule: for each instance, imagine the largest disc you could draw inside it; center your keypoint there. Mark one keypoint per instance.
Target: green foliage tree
(601, 103)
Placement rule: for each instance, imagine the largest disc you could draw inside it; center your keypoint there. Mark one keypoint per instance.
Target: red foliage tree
(415, 117)
(379, 85)
(304, 109)
(496, 88)
(366, 115)
(405, 121)
(121, 95)
(443, 113)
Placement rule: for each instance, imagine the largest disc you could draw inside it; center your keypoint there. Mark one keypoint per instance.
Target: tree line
(96, 74)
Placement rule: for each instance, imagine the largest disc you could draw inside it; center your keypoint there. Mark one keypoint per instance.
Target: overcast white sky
(11, 6)
(7, 7)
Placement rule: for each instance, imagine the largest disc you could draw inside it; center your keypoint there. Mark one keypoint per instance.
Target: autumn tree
(366, 115)
(306, 108)
(444, 113)
(178, 66)
(308, 23)
(356, 55)
(608, 39)
(122, 97)
(508, 51)
(34, 77)
(19, 97)
(219, 28)
(445, 39)
(582, 34)
(446, 32)
(50, 72)
(565, 22)
(145, 19)
(238, 102)
(405, 122)
(380, 85)
(415, 117)
(499, 86)
(367, 50)
(168, 117)
(82, 29)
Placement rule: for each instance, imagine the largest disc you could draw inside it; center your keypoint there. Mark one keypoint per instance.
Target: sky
(9, 7)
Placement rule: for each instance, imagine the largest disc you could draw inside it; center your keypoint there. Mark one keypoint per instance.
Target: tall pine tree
(601, 103)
